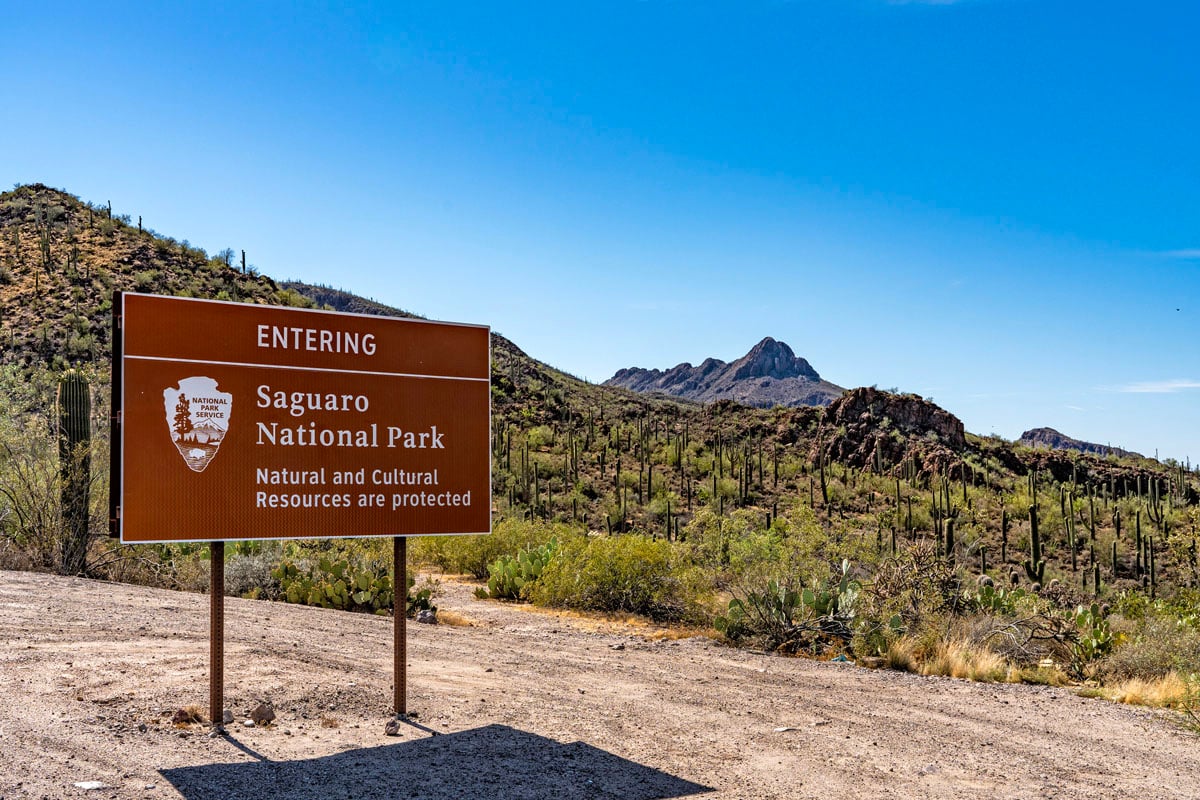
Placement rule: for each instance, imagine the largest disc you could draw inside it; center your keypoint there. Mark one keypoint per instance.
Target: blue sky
(992, 203)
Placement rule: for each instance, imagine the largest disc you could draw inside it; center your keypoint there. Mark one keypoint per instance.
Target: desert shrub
(145, 280)
(1152, 649)
(30, 489)
(471, 555)
(1182, 605)
(741, 551)
(249, 574)
(80, 345)
(620, 573)
(790, 617)
(917, 584)
(731, 543)
(540, 437)
(179, 566)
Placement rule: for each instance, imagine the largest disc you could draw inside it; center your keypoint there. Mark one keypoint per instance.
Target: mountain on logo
(204, 434)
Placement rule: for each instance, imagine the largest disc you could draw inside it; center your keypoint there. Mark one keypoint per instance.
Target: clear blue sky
(993, 203)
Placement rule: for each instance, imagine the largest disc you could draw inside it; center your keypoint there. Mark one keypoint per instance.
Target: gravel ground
(518, 704)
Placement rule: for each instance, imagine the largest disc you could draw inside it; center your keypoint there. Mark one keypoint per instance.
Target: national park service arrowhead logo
(198, 419)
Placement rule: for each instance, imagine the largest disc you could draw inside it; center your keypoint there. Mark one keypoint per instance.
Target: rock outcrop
(865, 422)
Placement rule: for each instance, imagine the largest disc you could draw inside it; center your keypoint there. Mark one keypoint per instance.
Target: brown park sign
(237, 421)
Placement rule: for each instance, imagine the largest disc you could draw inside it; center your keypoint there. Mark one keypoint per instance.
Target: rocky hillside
(1053, 440)
(769, 375)
(61, 259)
(347, 302)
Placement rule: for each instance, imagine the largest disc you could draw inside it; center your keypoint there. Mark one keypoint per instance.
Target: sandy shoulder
(519, 705)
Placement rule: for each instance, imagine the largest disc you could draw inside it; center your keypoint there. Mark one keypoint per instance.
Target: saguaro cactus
(75, 462)
(1035, 567)
(950, 538)
(1003, 535)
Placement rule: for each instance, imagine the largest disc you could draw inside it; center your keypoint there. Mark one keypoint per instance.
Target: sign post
(234, 421)
(400, 633)
(216, 634)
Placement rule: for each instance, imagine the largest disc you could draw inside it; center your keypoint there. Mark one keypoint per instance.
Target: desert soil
(519, 704)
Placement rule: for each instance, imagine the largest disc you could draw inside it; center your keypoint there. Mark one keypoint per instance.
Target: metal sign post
(400, 632)
(216, 636)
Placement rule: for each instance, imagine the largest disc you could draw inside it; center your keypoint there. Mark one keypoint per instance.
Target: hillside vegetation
(875, 527)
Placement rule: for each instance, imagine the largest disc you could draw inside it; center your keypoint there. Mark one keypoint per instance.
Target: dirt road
(519, 704)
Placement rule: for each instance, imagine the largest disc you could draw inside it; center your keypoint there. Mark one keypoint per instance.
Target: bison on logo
(198, 419)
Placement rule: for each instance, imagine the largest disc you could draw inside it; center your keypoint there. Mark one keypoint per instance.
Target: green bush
(145, 280)
(619, 573)
(472, 555)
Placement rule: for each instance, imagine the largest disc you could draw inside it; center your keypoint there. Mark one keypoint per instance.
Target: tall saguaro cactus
(74, 463)
(1035, 567)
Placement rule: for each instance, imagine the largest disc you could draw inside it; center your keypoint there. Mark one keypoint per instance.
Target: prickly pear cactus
(508, 577)
(335, 583)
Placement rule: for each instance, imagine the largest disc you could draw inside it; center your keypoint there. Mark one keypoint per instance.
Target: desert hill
(1053, 440)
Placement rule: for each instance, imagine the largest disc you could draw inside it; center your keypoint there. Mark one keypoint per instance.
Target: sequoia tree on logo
(197, 416)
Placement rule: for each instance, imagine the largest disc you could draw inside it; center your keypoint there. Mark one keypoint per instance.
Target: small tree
(183, 416)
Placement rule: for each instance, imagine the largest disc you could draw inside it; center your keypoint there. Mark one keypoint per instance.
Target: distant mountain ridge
(1054, 440)
(771, 374)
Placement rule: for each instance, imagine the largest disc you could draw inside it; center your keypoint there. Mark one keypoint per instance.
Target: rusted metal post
(216, 636)
(400, 619)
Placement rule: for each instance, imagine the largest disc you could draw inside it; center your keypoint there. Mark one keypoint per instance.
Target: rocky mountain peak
(772, 359)
(769, 375)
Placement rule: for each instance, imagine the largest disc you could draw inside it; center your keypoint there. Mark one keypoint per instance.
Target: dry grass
(1041, 675)
(454, 619)
(1172, 690)
(189, 715)
(1169, 691)
(958, 659)
(900, 655)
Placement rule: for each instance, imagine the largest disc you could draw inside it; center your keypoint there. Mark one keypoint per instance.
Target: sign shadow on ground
(492, 761)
